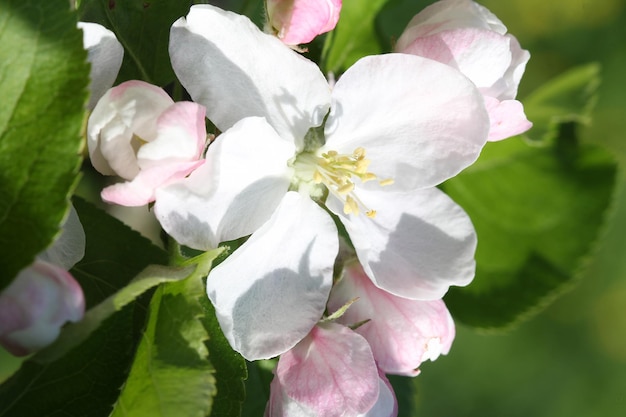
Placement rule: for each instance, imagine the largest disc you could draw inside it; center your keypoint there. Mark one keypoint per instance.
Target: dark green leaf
(43, 85)
(258, 387)
(537, 212)
(230, 367)
(143, 28)
(171, 373)
(114, 255)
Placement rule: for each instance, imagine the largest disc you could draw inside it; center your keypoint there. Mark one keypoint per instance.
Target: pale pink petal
(507, 118)
(234, 193)
(227, 64)
(180, 136)
(273, 289)
(387, 404)
(331, 371)
(105, 55)
(141, 190)
(35, 306)
(419, 121)
(417, 246)
(482, 56)
(401, 332)
(446, 15)
(300, 21)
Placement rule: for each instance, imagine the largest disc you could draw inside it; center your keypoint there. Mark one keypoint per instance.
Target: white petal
(69, 247)
(105, 55)
(418, 244)
(233, 193)
(273, 289)
(227, 64)
(420, 122)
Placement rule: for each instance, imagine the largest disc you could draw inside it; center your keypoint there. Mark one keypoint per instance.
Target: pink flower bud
(468, 37)
(137, 132)
(300, 21)
(33, 308)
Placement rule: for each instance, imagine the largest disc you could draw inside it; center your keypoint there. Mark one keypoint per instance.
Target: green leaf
(171, 372)
(86, 381)
(570, 97)
(537, 212)
(143, 28)
(83, 383)
(73, 334)
(258, 387)
(230, 367)
(354, 36)
(43, 80)
(114, 254)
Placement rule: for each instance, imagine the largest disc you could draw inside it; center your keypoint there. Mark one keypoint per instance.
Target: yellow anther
(368, 176)
(351, 207)
(346, 188)
(359, 153)
(371, 214)
(317, 177)
(388, 181)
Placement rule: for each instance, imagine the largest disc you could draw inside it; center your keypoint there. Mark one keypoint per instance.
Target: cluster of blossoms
(350, 246)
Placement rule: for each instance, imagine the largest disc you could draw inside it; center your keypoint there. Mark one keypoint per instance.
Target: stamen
(336, 172)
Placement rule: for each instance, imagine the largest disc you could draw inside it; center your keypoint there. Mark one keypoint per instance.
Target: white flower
(373, 148)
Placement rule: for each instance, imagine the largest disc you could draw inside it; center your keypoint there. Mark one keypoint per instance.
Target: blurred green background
(569, 360)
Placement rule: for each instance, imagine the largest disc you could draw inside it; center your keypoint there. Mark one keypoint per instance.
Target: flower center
(337, 173)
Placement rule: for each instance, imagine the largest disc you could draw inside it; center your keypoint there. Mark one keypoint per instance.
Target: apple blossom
(368, 150)
(44, 296)
(300, 21)
(468, 37)
(105, 55)
(401, 332)
(137, 132)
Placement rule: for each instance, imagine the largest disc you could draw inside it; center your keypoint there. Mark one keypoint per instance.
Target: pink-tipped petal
(401, 332)
(300, 21)
(141, 190)
(507, 119)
